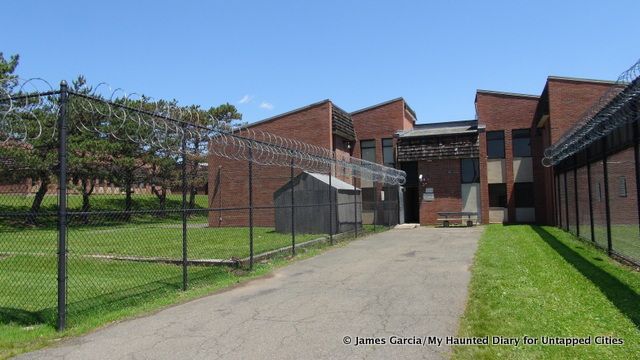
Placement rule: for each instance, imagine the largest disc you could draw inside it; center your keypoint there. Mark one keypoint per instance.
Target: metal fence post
(575, 193)
(593, 233)
(606, 194)
(566, 200)
(62, 206)
(330, 205)
(251, 207)
(556, 180)
(185, 273)
(293, 211)
(375, 206)
(355, 203)
(636, 158)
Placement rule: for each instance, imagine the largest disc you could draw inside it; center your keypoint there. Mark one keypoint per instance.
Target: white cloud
(246, 99)
(266, 105)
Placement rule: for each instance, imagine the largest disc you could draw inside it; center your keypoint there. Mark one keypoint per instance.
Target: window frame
(384, 162)
(530, 199)
(504, 185)
(362, 148)
(476, 162)
(489, 156)
(515, 136)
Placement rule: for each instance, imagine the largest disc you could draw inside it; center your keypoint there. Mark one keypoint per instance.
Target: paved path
(401, 282)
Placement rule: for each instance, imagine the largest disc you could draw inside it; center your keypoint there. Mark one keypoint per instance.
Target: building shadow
(619, 294)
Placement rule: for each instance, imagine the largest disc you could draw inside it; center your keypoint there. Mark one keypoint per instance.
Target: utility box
(313, 197)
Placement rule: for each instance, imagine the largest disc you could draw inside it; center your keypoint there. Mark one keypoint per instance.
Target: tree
(7, 68)
(90, 152)
(129, 161)
(36, 157)
(218, 117)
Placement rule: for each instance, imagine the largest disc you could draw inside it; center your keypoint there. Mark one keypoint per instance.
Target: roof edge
(506, 93)
(583, 80)
(377, 105)
(290, 112)
(451, 122)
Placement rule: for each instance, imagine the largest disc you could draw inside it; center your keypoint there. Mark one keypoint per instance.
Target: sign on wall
(428, 194)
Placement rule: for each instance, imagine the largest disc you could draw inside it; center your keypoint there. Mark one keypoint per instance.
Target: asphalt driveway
(404, 283)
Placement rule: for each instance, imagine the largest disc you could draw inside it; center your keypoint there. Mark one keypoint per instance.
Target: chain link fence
(106, 204)
(597, 194)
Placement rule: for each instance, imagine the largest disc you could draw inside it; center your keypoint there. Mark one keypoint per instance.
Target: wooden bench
(446, 217)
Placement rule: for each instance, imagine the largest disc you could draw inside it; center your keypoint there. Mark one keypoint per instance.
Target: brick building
(322, 124)
(490, 165)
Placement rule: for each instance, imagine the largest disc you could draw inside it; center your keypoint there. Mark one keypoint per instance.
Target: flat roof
(597, 81)
(441, 128)
(335, 182)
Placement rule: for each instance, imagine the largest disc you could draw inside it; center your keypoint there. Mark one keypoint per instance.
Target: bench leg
(469, 223)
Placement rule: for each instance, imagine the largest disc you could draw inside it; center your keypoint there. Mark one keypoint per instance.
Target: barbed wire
(615, 108)
(28, 114)
(23, 106)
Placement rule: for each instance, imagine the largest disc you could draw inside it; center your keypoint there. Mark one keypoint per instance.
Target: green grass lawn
(625, 238)
(542, 281)
(128, 295)
(99, 202)
(28, 258)
(102, 291)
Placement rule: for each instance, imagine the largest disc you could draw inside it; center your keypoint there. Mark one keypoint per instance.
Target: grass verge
(541, 281)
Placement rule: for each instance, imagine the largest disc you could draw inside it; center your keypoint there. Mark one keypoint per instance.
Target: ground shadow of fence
(618, 292)
(110, 302)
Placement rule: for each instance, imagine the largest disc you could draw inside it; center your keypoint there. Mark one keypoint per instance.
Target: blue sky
(279, 55)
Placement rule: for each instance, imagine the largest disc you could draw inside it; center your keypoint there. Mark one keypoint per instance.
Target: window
(521, 143)
(387, 153)
(622, 186)
(470, 172)
(495, 144)
(368, 150)
(498, 195)
(523, 194)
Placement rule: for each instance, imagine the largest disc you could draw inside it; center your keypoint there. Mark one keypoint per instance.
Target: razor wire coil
(27, 114)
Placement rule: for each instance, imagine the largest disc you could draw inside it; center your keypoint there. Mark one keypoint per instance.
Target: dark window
(622, 186)
(523, 194)
(368, 150)
(495, 144)
(521, 142)
(387, 153)
(498, 195)
(470, 171)
(368, 198)
(599, 192)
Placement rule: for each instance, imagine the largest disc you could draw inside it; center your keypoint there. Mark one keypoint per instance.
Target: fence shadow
(624, 298)
(9, 315)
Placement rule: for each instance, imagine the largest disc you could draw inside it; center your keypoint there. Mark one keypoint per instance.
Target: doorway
(411, 192)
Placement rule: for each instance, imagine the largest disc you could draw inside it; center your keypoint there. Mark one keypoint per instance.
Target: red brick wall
(444, 177)
(311, 125)
(543, 177)
(408, 121)
(502, 112)
(568, 100)
(379, 123)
